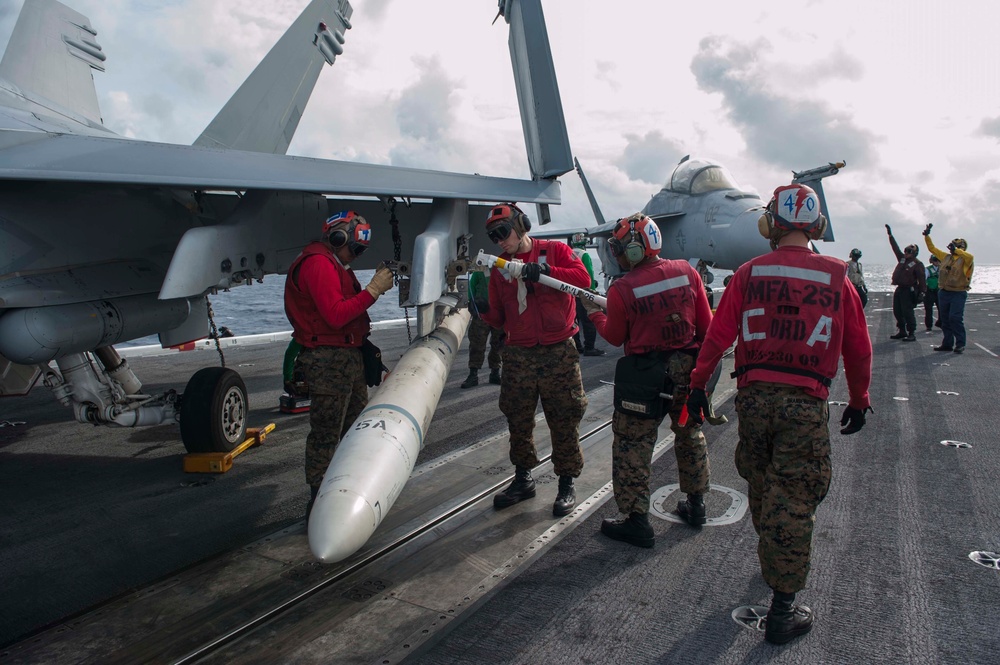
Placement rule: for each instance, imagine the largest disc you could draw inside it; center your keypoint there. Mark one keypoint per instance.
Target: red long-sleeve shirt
(855, 344)
(630, 314)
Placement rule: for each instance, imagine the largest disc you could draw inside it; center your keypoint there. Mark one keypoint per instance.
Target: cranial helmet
(579, 240)
(960, 243)
(504, 218)
(855, 253)
(636, 237)
(348, 228)
(792, 208)
(911, 249)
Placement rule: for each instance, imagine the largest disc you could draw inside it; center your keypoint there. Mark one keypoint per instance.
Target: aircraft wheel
(214, 411)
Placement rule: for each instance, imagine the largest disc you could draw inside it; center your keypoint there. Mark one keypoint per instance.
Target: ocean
(258, 307)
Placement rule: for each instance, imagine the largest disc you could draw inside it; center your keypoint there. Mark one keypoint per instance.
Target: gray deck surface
(891, 580)
(98, 513)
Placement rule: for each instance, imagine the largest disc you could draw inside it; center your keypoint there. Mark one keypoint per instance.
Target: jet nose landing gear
(214, 411)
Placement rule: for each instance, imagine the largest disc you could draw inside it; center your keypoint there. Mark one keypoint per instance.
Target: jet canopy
(697, 176)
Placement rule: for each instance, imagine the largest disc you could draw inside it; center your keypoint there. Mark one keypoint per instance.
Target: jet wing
(71, 158)
(49, 58)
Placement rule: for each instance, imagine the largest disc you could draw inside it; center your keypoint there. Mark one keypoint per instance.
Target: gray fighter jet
(704, 215)
(105, 239)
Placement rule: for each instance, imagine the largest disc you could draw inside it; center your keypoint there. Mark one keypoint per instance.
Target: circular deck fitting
(752, 617)
(901, 399)
(660, 506)
(941, 364)
(838, 403)
(956, 444)
(986, 559)
(946, 392)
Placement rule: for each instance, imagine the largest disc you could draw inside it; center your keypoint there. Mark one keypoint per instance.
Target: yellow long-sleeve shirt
(956, 269)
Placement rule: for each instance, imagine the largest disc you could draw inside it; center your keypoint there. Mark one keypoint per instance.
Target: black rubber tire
(214, 411)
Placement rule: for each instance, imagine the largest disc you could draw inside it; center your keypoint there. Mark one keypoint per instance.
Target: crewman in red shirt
(540, 360)
(327, 308)
(793, 314)
(659, 310)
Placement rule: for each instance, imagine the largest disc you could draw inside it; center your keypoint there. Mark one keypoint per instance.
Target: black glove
(532, 271)
(853, 419)
(888, 229)
(697, 406)
(927, 229)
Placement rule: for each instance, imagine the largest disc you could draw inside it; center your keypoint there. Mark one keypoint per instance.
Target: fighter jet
(104, 239)
(705, 216)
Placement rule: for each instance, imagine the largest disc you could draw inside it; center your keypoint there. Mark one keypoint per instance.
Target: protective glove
(888, 230)
(697, 406)
(591, 306)
(514, 268)
(381, 282)
(853, 419)
(927, 229)
(532, 271)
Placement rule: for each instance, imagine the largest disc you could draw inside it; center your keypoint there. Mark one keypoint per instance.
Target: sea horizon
(259, 307)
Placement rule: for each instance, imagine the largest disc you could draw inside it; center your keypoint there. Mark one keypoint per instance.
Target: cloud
(990, 127)
(651, 157)
(607, 72)
(376, 9)
(779, 127)
(423, 111)
(425, 115)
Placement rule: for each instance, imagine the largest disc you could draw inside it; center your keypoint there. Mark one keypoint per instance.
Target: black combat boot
(471, 380)
(634, 530)
(495, 376)
(785, 620)
(313, 492)
(692, 510)
(566, 498)
(900, 334)
(522, 488)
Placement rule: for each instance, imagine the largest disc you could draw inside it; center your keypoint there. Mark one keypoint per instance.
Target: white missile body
(514, 268)
(375, 458)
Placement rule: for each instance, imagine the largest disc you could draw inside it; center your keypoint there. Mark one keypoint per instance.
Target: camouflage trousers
(784, 455)
(636, 437)
(338, 393)
(479, 332)
(551, 373)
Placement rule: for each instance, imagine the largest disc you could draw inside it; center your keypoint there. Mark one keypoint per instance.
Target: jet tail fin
(598, 215)
(49, 58)
(814, 178)
(264, 113)
(545, 135)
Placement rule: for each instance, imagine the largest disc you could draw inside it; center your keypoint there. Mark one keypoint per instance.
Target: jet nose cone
(340, 523)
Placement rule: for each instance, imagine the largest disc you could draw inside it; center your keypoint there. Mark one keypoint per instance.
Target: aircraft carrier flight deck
(112, 554)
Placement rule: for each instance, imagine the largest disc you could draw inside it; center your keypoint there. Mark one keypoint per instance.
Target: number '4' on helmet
(636, 237)
(793, 208)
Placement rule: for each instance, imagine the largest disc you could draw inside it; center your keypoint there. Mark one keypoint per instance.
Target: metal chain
(397, 248)
(215, 331)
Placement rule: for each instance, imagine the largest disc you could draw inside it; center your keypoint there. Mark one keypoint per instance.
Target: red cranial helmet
(348, 228)
(635, 237)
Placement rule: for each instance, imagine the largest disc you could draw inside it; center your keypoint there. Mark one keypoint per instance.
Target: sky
(906, 92)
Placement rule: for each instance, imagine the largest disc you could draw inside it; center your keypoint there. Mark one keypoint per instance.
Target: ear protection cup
(765, 224)
(820, 229)
(338, 238)
(634, 252)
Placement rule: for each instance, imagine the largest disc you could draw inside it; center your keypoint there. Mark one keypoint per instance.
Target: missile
(376, 457)
(514, 268)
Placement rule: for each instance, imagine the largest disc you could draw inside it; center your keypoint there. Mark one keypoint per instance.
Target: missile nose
(341, 522)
